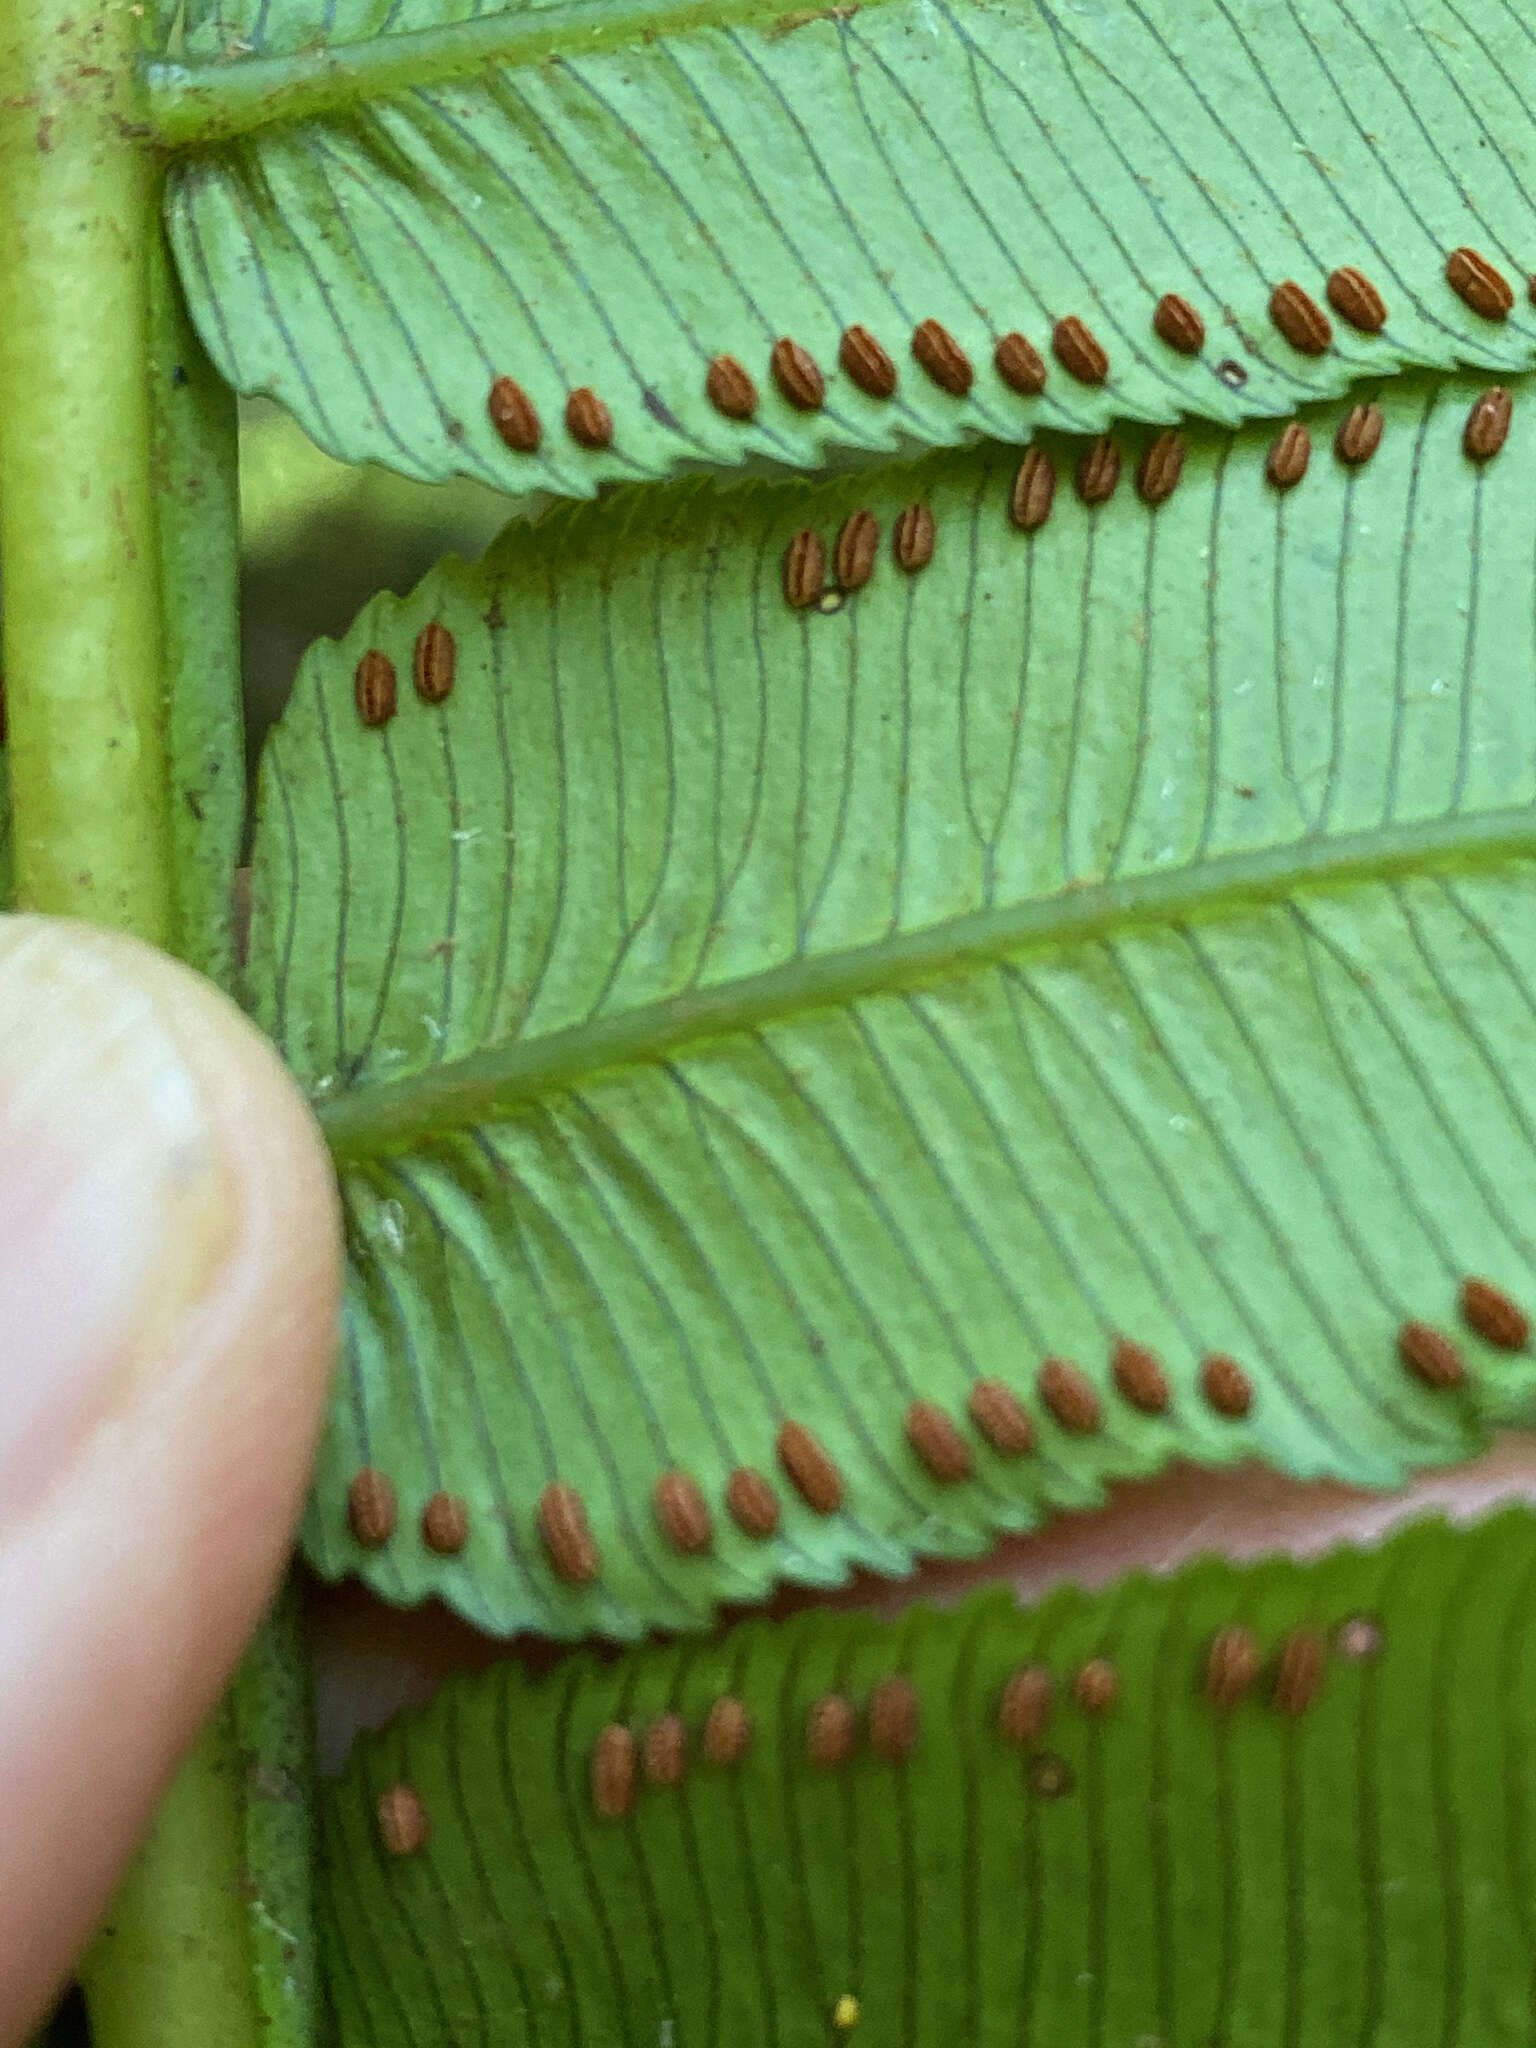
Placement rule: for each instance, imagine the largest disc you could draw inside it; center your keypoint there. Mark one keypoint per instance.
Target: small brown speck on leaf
(1034, 491)
(513, 416)
(664, 1755)
(374, 688)
(831, 1730)
(1359, 435)
(1300, 319)
(867, 363)
(587, 419)
(403, 1823)
(1477, 283)
(1231, 1667)
(1430, 1356)
(1158, 473)
(1079, 351)
(1289, 454)
(1049, 1776)
(727, 1732)
(434, 662)
(1020, 364)
(1024, 1711)
(912, 538)
(805, 569)
(1299, 1672)
(1494, 1315)
(810, 1471)
(938, 1443)
(1226, 1386)
(1002, 1418)
(1355, 299)
(729, 388)
(612, 1772)
(893, 1719)
(566, 1535)
(1175, 321)
(1488, 424)
(1098, 471)
(945, 361)
(855, 550)
(1098, 1686)
(372, 1508)
(445, 1524)
(1140, 1377)
(1068, 1393)
(683, 1513)
(797, 375)
(752, 1502)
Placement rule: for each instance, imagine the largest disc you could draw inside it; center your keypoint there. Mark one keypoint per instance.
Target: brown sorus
(1487, 427)
(810, 1471)
(1067, 1392)
(664, 1754)
(1175, 321)
(831, 1729)
(587, 419)
(1475, 281)
(753, 1504)
(372, 1509)
(513, 416)
(912, 538)
(1002, 1419)
(1158, 473)
(1050, 1776)
(853, 555)
(1355, 299)
(1430, 1355)
(1079, 351)
(729, 388)
(946, 362)
(1226, 1386)
(1299, 1671)
(683, 1513)
(1140, 1377)
(1359, 434)
(727, 1731)
(435, 660)
(1020, 365)
(893, 1719)
(867, 362)
(1024, 1711)
(373, 686)
(938, 1443)
(1299, 318)
(403, 1823)
(1097, 1686)
(1489, 1310)
(1289, 454)
(566, 1536)
(445, 1524)
(1098, 471)
(805, 569)
(1231, 1666)
(612, 1772)
(1358, 1638)
(1034, 491)
(797, 375)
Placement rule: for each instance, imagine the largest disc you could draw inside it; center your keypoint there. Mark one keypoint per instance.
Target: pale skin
(169, 1282)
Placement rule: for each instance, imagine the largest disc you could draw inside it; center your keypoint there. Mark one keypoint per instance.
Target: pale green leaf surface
(1359, 1873)
(722, 1013)
(634, 202)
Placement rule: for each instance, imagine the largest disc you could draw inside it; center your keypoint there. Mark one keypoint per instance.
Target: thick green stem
(78, 202)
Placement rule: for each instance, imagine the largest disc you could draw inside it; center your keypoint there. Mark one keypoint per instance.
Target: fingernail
(116, 1208)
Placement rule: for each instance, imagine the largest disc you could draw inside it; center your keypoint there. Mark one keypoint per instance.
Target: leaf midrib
(214, 100)
(486, 1085)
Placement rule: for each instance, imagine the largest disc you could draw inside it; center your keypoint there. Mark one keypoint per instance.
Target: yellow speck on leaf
(845, 2014)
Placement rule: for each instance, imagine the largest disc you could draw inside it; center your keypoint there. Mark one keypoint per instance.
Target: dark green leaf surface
(642, 192)
(1359, 1873)
(724, 1014)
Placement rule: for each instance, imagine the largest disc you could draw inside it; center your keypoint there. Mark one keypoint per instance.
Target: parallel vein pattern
(618, 219)
(1162, 1872)
(725, 1015)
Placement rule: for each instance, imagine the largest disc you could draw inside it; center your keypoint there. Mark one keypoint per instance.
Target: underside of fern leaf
(728, 1016)
(1238, 1806)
